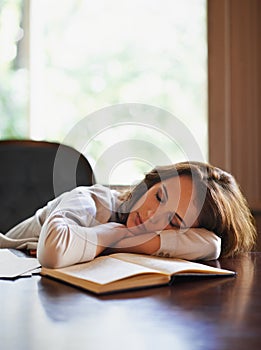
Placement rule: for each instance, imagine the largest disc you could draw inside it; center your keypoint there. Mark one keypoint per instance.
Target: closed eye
(177, 221)
(159, 199)
(159, 196)
(173, 222)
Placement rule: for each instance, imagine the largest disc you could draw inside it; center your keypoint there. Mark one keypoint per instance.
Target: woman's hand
(118, 238)
(147, 243)
(109, 234)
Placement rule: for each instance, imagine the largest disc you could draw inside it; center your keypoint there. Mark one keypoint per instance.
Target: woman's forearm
(62, 242)
(147, 243)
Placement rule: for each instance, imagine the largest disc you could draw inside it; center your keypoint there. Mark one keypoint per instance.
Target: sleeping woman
(188, 210)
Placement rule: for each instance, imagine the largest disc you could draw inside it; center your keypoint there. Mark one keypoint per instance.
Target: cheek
(141, 206)
(140, 203)
(130, 220)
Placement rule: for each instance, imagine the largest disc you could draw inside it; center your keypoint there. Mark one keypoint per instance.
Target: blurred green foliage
(13, 76)
(85, 55)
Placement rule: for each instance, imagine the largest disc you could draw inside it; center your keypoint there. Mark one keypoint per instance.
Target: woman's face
(168, 204)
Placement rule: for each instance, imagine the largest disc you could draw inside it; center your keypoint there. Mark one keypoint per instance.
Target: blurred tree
(85, 55)
(13, 75)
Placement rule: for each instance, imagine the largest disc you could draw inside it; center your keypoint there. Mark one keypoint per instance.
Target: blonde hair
(224, 209)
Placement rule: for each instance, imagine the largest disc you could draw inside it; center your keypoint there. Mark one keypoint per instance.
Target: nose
(150, 214)
(146, 216)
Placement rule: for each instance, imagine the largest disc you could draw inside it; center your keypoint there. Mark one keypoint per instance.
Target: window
(72, 58)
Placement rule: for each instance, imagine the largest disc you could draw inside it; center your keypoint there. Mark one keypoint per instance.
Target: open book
(123, 271)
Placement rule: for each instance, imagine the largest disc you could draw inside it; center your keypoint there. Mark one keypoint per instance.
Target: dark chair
(34, 172)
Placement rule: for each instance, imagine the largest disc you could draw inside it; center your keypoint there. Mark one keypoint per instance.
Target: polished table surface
(203, 313)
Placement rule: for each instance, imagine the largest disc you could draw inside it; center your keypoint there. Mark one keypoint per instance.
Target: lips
(138, 220)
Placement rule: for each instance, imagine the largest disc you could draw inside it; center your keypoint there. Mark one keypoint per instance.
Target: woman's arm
(190, 244)
(76, 228)
(63, 242)
(147, 243)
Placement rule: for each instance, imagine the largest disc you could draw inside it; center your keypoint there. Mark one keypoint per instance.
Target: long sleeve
(62, 242)
(69, 233)
(191, 244)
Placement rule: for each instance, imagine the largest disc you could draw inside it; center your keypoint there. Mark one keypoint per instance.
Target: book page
(105, 270)
(169, 265)
(12, 266)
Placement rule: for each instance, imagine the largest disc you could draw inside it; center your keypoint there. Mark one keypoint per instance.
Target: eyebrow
(175, 214)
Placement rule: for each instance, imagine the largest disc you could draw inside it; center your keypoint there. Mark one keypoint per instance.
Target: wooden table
(207, 313)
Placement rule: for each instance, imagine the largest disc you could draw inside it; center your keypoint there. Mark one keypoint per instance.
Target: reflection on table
(194, 313)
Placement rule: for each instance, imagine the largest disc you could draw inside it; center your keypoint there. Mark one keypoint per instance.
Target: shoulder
(95, 201)
(100, 193)
(103, 199)
(82, 197)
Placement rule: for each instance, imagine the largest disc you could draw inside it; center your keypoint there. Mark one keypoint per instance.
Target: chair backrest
(34, 172)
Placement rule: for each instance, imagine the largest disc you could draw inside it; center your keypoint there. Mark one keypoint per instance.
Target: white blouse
(65, 230)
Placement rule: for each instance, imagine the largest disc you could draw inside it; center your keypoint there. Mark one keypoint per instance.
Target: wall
(234, 50)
